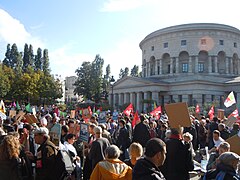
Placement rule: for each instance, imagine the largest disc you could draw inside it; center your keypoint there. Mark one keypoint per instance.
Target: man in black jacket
(147, 167)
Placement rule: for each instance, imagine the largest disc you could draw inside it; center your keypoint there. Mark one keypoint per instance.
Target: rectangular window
(169, 67)
(203, 99)
(235, 45)
(221, 42)
(203, 41)
(152, 48)
(183, 42)
(190, 100)
(213, 98)
(165, 45)
(158, 69)
(200, 67)
(184, 67)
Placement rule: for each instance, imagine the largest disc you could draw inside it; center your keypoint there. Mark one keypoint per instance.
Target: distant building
(69, 89)
(194, 63)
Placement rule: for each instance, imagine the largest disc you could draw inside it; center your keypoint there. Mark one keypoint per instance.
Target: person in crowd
(44, 122)
(187, 139)
(105, 133)
(202, 133)
(123, 139)
(179, 160)
(224, 132)
(10, 163)
(235, 129)
(112, 168)
(147, 168)
(7, 125)
(193, 131)
(141, 132)
(212, 126)
(223, 147)
(153, 126)
(69, 140)
(226, 167)
(93, 120)
(135, 153)
(46, 154)
(28, 138)
(167, 135)
(98, 147)
(64, 132)
(217, 140)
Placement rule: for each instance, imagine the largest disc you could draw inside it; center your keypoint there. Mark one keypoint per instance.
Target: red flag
(89, 110)
(128, 110)
(211, 113)
(197, 110)
(135, 119)
(156, 112)
(234, 114)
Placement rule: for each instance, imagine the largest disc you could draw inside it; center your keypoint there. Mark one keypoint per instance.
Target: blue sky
(76, 30)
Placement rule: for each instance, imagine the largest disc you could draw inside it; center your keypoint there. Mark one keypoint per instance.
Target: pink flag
(197, 110)
(135, 119)
(234, 114)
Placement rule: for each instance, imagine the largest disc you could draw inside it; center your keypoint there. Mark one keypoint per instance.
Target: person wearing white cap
(46, 154)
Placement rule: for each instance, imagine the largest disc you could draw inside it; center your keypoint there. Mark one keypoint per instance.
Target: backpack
(63, 164)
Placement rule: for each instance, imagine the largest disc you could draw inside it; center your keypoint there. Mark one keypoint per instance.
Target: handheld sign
(102, 117)
(55, 134)
(234, 142)
(178, 115)
(30, 118)
(19, 116)
(12, 113)
(72, 116)
(84, 134)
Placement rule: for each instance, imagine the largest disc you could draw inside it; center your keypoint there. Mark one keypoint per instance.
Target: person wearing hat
(46, 155)
(147, 168)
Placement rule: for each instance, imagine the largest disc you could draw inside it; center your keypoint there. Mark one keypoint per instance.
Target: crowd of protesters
(117, 150)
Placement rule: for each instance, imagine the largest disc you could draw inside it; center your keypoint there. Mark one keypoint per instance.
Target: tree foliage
(25, 78)
(91, 83)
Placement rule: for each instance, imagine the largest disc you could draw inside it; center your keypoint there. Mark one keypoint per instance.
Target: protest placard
(72, 115)
(234, 142)
(12, 113)
(19, 116)
(84, 134)
(102, 117)
(230, 121)
(178, 115)
(220, 114)
(30, 118)
(55, 134)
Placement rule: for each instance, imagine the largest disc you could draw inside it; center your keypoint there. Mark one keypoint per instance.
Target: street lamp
(112, 80)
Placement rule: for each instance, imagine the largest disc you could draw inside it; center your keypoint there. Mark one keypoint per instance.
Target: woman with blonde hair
(9, 159)
(135, 152)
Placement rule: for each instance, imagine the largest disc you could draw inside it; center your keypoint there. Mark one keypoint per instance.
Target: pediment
(131, 81)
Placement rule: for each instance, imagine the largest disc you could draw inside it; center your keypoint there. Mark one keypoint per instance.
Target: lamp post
(112, 80)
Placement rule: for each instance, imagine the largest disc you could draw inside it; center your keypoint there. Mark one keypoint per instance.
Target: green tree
(4, 83)
(45, 62)
(38, 60)
(25, 57)
(124, 72)
(7, 58)
(134, 71)
(19, 64)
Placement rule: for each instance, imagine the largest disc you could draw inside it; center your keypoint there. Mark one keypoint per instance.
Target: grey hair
(97, 130)
(227, 158)
(112, 152)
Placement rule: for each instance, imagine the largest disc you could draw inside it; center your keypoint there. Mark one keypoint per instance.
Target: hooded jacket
(146, 170)
(110, 170)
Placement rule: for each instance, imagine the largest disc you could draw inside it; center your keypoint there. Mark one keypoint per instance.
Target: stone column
(126, 98)
(190, 64)
(196, 64)
(139, 104)
(171, 65)
(231, 65)
(227, 65)
(145, 104)
(121, 98)
(132, 98)
(160, 66)
(209, 64)
(115, 102)
(216, 64)
(177, 65)
(110, 99)
(149, 69)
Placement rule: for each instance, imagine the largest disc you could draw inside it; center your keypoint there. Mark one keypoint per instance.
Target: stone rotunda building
(194, 63)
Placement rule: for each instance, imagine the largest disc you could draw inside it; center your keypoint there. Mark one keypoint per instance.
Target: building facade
(194, 63)
(69, 89)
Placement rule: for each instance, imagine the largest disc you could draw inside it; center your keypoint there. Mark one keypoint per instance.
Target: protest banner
(234, 142)
(178, 115)
(86, 114)
(220, 114)
(30, 118)
(55, 134)
(230, 121)
(12, 113)
(84, 134)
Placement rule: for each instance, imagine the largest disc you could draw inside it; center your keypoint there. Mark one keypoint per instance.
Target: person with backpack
(46, 155)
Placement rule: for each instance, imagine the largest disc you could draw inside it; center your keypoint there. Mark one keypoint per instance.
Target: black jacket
(146, 170)
(141, 134)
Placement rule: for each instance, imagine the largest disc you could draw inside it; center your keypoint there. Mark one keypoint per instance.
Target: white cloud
(65, 64)
(124, 5)
(13, 31)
